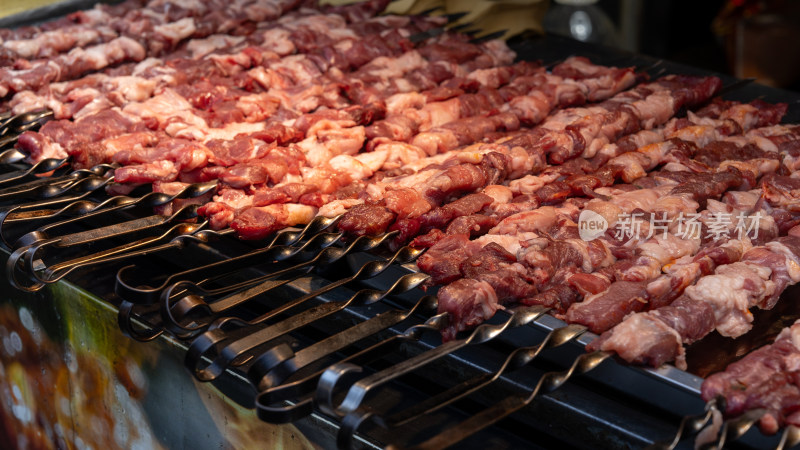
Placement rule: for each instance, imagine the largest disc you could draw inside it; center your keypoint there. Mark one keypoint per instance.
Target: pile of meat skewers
(497, 167)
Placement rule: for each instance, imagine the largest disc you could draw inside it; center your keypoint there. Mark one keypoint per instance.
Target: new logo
(591, 225)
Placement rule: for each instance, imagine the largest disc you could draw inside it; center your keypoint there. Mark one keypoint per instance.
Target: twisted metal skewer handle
(270, 403)
(48, 188)
(22, 122)
(548, 382)
(42, 167)
(86, 210)
(175, 311)
(274, 365)
(369, 270)
(233, 351)
(690, 425)
(191, 313)
(27, 260)
(734, 429)
(515, 360)
(358, 391)
(518, 358)
(730, 430)
(127, 289)
(327, 256)
(43, 275)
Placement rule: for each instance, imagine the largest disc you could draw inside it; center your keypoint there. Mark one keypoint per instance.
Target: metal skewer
(232, 353)
(548, 382)
(130, 289)
(270, 402)
(356, 393)
(175, 313)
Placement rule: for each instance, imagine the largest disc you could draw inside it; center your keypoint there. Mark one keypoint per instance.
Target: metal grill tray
(612, 406)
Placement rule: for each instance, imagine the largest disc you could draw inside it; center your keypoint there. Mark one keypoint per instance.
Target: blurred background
(745, 38)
